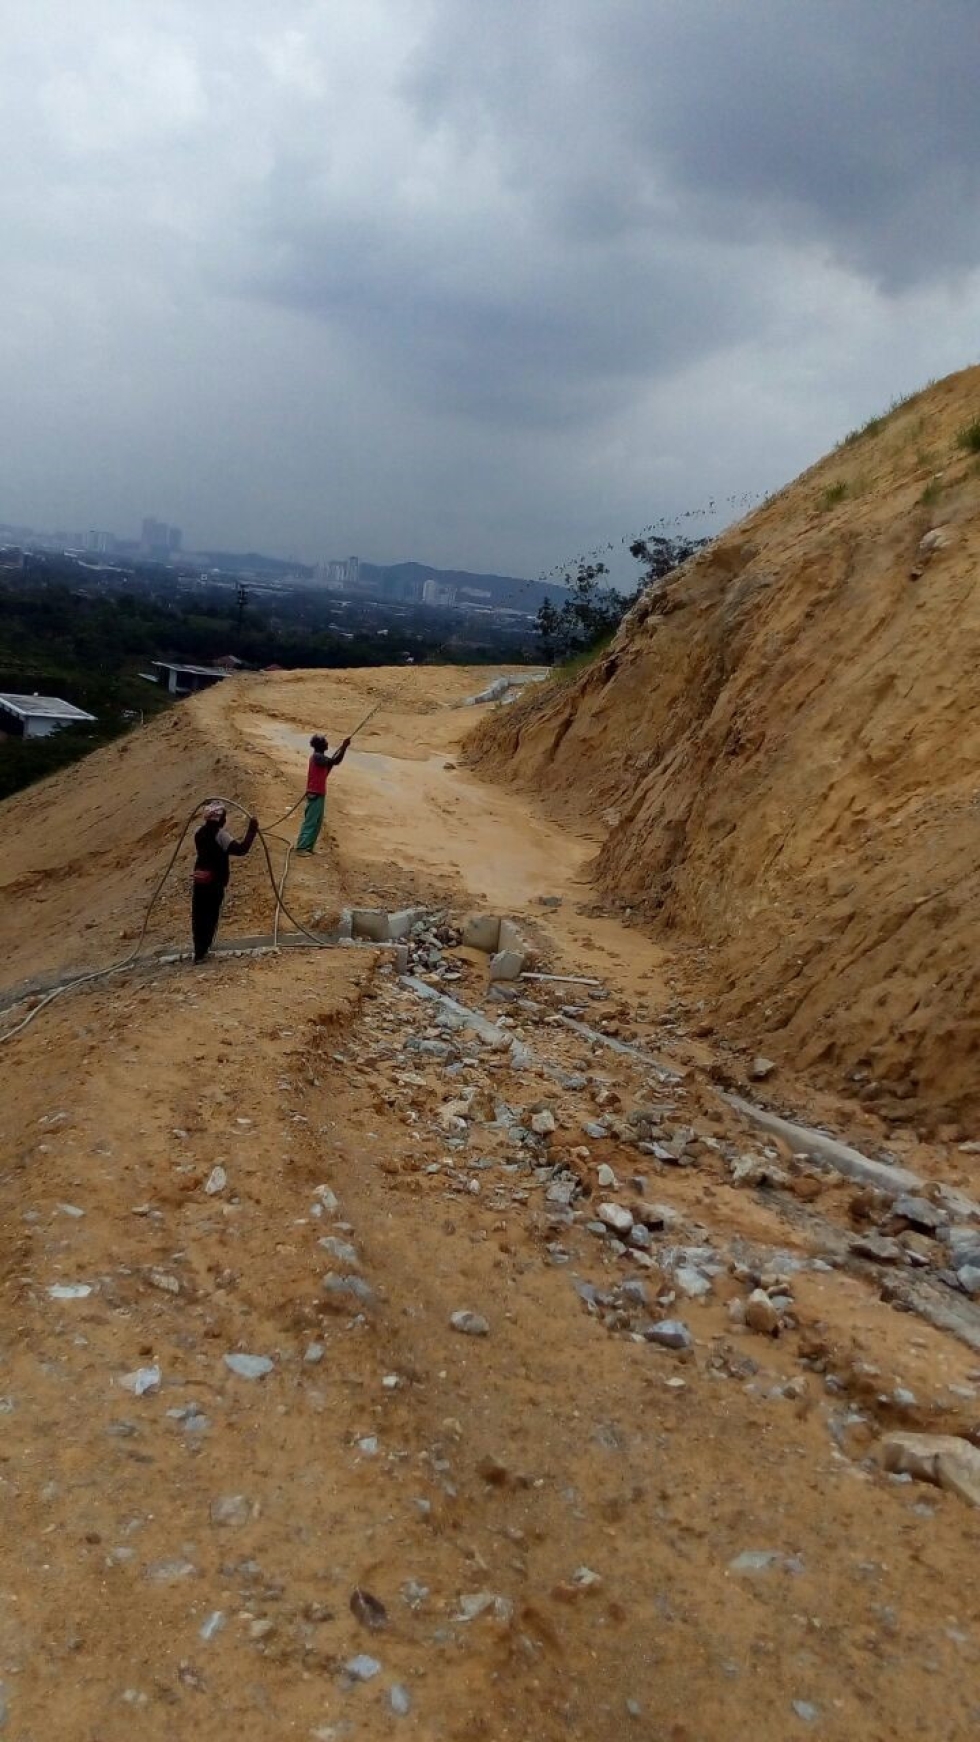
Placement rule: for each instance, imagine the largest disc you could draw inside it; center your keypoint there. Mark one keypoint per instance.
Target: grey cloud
(512, 323)
(471, 282)
(846, 121)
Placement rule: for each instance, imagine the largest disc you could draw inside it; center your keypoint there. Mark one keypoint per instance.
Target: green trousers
(312, 824)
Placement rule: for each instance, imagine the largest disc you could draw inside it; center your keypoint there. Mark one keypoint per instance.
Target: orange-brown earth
(573, 1532)
(781, 751)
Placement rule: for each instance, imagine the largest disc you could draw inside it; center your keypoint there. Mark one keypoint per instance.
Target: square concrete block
(370, 922)
(481, 931)
(506, 965)
(509, 938)
(401, 923)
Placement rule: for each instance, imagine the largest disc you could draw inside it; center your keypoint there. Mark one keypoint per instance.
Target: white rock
(143, 1381)
(937, 539)
(216, 1181)
(341, 1250)
(249, 1366)
(755, 1170)
(606, 1178)
(362, 1668)
(70, 1290)
(469, 1324)
(943, 1459)
(483, 1602)
(231, 1510)
(691, 1282)
(616, 1217)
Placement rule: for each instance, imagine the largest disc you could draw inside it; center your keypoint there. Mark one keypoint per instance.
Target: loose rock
(143, 1381)
(669, 1334)
(470, 1324)
(362, 1668)
(352, 1287)
(878, 1247)
(761, 1315)
(368, 1610)
(616, 1217)
(341, 1250)
(483, 1602)
(249, 1366)
(942, 1459)
(231, 1510)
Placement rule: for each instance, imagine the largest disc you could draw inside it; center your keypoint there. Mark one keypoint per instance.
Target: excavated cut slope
(783, 747)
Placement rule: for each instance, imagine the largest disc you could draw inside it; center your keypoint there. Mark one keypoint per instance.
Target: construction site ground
(555, 1527)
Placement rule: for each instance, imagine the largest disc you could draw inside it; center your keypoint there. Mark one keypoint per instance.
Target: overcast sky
(480, 282)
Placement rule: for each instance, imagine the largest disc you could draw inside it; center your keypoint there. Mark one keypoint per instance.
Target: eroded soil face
(571, 1527)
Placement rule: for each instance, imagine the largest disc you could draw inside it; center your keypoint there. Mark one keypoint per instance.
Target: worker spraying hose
(215, 844)
(218, 809)
(321, 766)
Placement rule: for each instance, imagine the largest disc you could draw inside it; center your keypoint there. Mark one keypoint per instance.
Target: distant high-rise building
(159, 540)
(338, 574)
(437, 592)
(99, 542)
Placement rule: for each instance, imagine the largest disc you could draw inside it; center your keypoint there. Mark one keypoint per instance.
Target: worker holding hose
(320, 768)
(215, 844)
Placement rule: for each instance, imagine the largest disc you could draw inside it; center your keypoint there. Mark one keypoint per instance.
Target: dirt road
(558, 1528)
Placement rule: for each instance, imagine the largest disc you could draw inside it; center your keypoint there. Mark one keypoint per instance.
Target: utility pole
(242, 602)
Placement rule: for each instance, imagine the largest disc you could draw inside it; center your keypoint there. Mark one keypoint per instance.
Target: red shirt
(316, 774)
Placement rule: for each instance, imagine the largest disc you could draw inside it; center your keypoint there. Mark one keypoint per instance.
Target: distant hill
(251, 562)
(506, 592)
(400, 581)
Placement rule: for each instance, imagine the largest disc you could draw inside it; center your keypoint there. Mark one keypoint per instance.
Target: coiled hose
(265, 835)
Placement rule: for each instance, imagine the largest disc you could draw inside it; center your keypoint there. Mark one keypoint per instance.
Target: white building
(437, 592)
(38, 716)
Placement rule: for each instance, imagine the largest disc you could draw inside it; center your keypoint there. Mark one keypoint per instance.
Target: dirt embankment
(84, 849)
(783, 749)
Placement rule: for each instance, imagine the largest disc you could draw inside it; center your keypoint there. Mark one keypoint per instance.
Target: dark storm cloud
(468, 281)
(632, 168)
(856, 122)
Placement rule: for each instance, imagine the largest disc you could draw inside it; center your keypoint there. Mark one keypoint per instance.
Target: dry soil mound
(783, 747)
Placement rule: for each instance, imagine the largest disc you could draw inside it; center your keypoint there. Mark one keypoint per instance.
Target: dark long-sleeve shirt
(214, 846)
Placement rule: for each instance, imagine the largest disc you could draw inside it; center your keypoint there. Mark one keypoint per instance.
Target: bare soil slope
(581, 1524)
(783, 750)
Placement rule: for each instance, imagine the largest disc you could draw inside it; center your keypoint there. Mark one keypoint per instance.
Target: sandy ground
(571, 1533)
